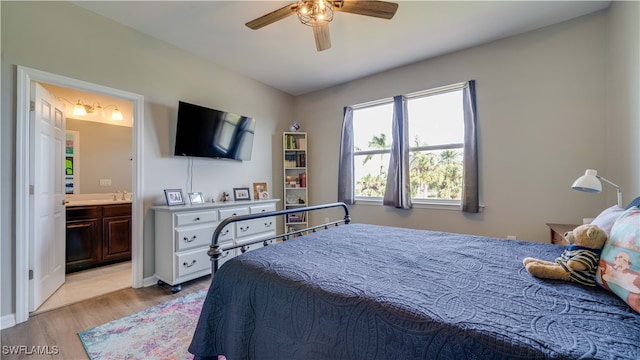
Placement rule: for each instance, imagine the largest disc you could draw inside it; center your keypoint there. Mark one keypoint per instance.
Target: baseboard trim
(150, 281)
(7, 321)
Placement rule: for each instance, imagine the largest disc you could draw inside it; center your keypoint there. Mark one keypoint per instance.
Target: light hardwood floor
(87, 284)
(58, 329)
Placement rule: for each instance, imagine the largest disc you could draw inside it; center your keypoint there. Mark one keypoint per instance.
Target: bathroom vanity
(98, 233)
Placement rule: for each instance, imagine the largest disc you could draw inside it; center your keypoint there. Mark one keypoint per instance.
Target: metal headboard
(216, 253)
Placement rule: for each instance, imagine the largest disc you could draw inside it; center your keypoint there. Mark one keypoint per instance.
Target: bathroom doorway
(98, 174)
(25, 77)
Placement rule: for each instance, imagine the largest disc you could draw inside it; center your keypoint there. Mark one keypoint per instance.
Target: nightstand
(557, 233)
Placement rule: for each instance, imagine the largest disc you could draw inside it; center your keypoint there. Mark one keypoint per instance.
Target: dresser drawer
(195, 217)
(253, 246)
(192, 261)
(194, 236)
(227, 234)
(225, 213)
(262, 208)
(229, 231)
(256, 226)
(226, 256)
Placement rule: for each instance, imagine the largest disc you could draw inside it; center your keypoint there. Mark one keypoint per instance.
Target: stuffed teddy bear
(578, 263)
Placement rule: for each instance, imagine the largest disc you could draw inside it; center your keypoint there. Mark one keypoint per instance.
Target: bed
(359, 291)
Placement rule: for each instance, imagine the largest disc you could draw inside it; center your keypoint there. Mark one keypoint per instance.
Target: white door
(47, 238)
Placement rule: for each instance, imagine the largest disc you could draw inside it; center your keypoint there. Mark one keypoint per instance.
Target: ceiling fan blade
(379, 9)
(322, 36)
(272, 17)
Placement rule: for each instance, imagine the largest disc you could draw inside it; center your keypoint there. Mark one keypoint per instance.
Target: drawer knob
(196, 219)
(244, 228)
(268, 224)
(186, 239)
(226, 231)
(189, 265)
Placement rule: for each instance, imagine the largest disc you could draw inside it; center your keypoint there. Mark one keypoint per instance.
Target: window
(436, 134)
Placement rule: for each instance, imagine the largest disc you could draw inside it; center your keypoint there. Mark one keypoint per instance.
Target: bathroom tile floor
(88, 284)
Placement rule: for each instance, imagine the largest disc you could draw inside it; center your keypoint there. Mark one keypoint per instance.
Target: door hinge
(31, 190)
(32, 106)
(30, 274)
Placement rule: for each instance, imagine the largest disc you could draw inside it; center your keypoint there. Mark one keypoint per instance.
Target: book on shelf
(291, 142)
(295, 160)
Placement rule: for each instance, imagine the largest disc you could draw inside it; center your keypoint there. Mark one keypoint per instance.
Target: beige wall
(543, 112)
(623, 107)
(40, 35)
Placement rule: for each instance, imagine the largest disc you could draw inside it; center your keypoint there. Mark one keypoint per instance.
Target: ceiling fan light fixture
(315, 12)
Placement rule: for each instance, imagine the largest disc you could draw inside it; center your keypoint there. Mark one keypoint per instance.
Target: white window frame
(417, 202)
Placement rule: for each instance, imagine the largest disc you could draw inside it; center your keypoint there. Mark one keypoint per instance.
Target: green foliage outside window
(433, 174)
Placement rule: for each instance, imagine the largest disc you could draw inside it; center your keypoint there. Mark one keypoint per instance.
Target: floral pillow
(619, 265)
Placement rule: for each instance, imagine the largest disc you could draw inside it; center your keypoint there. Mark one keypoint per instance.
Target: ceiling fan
(319, 13)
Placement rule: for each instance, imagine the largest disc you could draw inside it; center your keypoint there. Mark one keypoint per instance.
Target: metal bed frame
(216, 251)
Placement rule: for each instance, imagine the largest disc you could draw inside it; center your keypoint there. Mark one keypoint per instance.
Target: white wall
(40, 35)
(542, 113)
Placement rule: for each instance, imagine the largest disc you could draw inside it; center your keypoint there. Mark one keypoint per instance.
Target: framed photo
(196, 198)
(174, 197)
(241, 194)
(259, 191)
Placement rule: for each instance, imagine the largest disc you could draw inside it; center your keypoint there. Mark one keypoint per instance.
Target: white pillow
(607, 218)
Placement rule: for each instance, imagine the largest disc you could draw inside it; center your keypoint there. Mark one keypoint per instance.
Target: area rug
(160, 332)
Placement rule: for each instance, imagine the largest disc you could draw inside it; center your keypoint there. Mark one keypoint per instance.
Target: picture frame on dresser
(241, 194)
(259, 190)
(174, 197)
(196, 198)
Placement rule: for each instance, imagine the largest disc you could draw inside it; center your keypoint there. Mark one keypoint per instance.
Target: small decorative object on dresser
(196, 198)
(174, 197)
(241, 194)
(259, 190)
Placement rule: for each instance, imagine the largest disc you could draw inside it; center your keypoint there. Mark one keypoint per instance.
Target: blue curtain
(470, 193)
(398, 190)
(346, 167)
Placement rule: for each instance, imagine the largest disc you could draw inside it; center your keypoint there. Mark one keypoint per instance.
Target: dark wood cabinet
(83, 237)
(116, 232)
(97, 235)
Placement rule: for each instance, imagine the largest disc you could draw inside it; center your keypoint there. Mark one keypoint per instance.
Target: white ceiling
(283, 54)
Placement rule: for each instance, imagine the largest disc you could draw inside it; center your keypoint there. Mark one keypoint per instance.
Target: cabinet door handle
(186, 239)
(244, 228)
(196, 219)
(268, 224)
(264, 210)
(234, 214)
(189, 265)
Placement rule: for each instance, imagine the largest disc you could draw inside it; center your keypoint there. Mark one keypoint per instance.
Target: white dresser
(183, 235)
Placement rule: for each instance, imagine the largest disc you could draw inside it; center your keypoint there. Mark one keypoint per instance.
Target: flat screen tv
(210, 133)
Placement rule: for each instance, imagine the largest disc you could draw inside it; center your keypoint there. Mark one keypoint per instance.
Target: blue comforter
(373, 292)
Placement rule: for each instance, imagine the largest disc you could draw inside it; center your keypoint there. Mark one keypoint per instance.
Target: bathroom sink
(96, 202)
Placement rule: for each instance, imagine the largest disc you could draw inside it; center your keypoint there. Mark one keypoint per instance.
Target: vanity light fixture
(80, 108)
